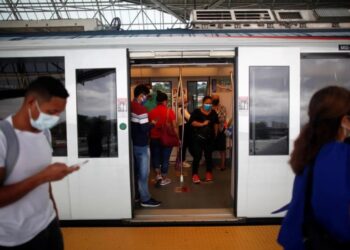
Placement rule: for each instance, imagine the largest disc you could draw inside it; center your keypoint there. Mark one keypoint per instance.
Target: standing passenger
(28, 219)
(160, 154)
(220, 140)
(140, 128)
(318, 216)
(204, 122)
(151, 101)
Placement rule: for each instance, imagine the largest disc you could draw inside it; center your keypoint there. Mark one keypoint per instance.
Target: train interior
(183, 200)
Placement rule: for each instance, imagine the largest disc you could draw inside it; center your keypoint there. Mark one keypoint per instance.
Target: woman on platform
(318, 216)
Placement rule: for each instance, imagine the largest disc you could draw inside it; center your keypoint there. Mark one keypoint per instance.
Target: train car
(265, 78)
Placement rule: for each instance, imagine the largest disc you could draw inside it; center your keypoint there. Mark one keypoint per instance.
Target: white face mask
(44, 120)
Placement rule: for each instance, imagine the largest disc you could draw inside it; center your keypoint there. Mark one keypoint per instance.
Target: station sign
(344, 46)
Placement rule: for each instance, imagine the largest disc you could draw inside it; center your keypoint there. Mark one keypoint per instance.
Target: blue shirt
(330, 197)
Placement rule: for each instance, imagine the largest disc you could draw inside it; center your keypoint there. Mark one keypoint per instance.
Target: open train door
(268, 117)
(97, 131)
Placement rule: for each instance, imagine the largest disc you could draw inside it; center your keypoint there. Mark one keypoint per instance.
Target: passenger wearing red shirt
(160, 154)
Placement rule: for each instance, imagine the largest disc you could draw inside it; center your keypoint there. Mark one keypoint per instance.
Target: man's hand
(205, 123)
(13, 192)
(57, 171)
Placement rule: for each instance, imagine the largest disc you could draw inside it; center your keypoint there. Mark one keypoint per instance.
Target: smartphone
(79, 164)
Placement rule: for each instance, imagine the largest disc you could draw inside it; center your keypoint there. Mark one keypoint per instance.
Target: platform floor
(172, 238)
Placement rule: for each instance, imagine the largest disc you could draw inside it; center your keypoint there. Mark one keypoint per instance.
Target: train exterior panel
(267, 63)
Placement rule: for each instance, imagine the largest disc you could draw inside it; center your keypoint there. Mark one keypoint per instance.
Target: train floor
(188, 201)
(172, 238)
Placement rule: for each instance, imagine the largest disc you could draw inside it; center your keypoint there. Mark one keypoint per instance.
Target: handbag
(168, 136)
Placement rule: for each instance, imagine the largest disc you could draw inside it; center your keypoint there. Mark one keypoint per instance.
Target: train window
(269, 110)
(318, 71)
(97, 113)
(15, 75)
(165, 87)
(196, 90)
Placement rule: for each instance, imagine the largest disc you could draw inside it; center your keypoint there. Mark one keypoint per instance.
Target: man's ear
(345, 125)
(30, 99)
(345, 122)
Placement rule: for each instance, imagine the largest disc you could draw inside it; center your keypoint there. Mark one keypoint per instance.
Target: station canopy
(141, 14)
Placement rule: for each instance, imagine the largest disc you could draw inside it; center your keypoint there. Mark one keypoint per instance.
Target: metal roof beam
(64, 3)
(214, 4)
(133, 21)
(167, 10)
(56, 11)
(100, 13)
(13, 9)
(150, 19)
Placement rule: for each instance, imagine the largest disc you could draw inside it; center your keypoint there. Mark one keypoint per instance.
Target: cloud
(98, 97)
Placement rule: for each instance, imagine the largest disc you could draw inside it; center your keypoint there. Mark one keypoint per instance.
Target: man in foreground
(28, 219)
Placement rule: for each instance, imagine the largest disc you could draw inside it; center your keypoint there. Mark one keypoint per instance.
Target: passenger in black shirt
(204, 122)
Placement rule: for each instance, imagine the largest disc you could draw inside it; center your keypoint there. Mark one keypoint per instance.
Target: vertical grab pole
(180, 90)
(183, 125)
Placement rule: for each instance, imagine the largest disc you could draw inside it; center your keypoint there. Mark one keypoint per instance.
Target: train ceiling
(142, 14)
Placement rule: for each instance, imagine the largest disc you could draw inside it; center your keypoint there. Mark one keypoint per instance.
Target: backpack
(12, 149)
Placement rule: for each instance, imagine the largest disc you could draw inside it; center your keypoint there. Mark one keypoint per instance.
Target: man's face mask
(207, 107)
(44, 121)
(143, 99)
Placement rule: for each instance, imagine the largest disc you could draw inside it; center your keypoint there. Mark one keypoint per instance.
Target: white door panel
(101, 188)
(264, 177)
(60, 188)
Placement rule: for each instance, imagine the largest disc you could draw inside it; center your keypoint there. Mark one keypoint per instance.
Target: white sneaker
(159, 177)
(185, 164)
(165, 181)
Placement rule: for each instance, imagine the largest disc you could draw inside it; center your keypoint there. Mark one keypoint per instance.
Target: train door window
(318, 71)
(97, 113)
(269, 110)
(15, 75)
(165, 87)
(196, 90)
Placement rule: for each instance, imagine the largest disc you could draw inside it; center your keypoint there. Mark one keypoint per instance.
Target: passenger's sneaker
(185, 164)
(165, 181)
(151, 203)
(195, 179)
(208, 176)
(159, 177)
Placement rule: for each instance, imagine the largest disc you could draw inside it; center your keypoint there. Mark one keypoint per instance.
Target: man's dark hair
(141, 89)
(161, 96)
(206, 98)
(47, 87)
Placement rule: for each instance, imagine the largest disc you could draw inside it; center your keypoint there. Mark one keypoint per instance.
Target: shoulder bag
(168, 136)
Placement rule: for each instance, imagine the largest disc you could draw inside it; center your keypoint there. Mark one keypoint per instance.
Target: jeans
(48, 239)
(200, 145)
(141, 160)
(160, 156)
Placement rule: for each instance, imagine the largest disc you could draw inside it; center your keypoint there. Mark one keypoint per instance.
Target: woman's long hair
(326, 109)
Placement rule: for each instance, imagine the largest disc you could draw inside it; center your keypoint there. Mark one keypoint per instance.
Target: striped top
(140, 125)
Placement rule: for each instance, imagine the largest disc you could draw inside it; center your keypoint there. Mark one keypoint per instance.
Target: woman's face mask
(207, 107)
(44, 121)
